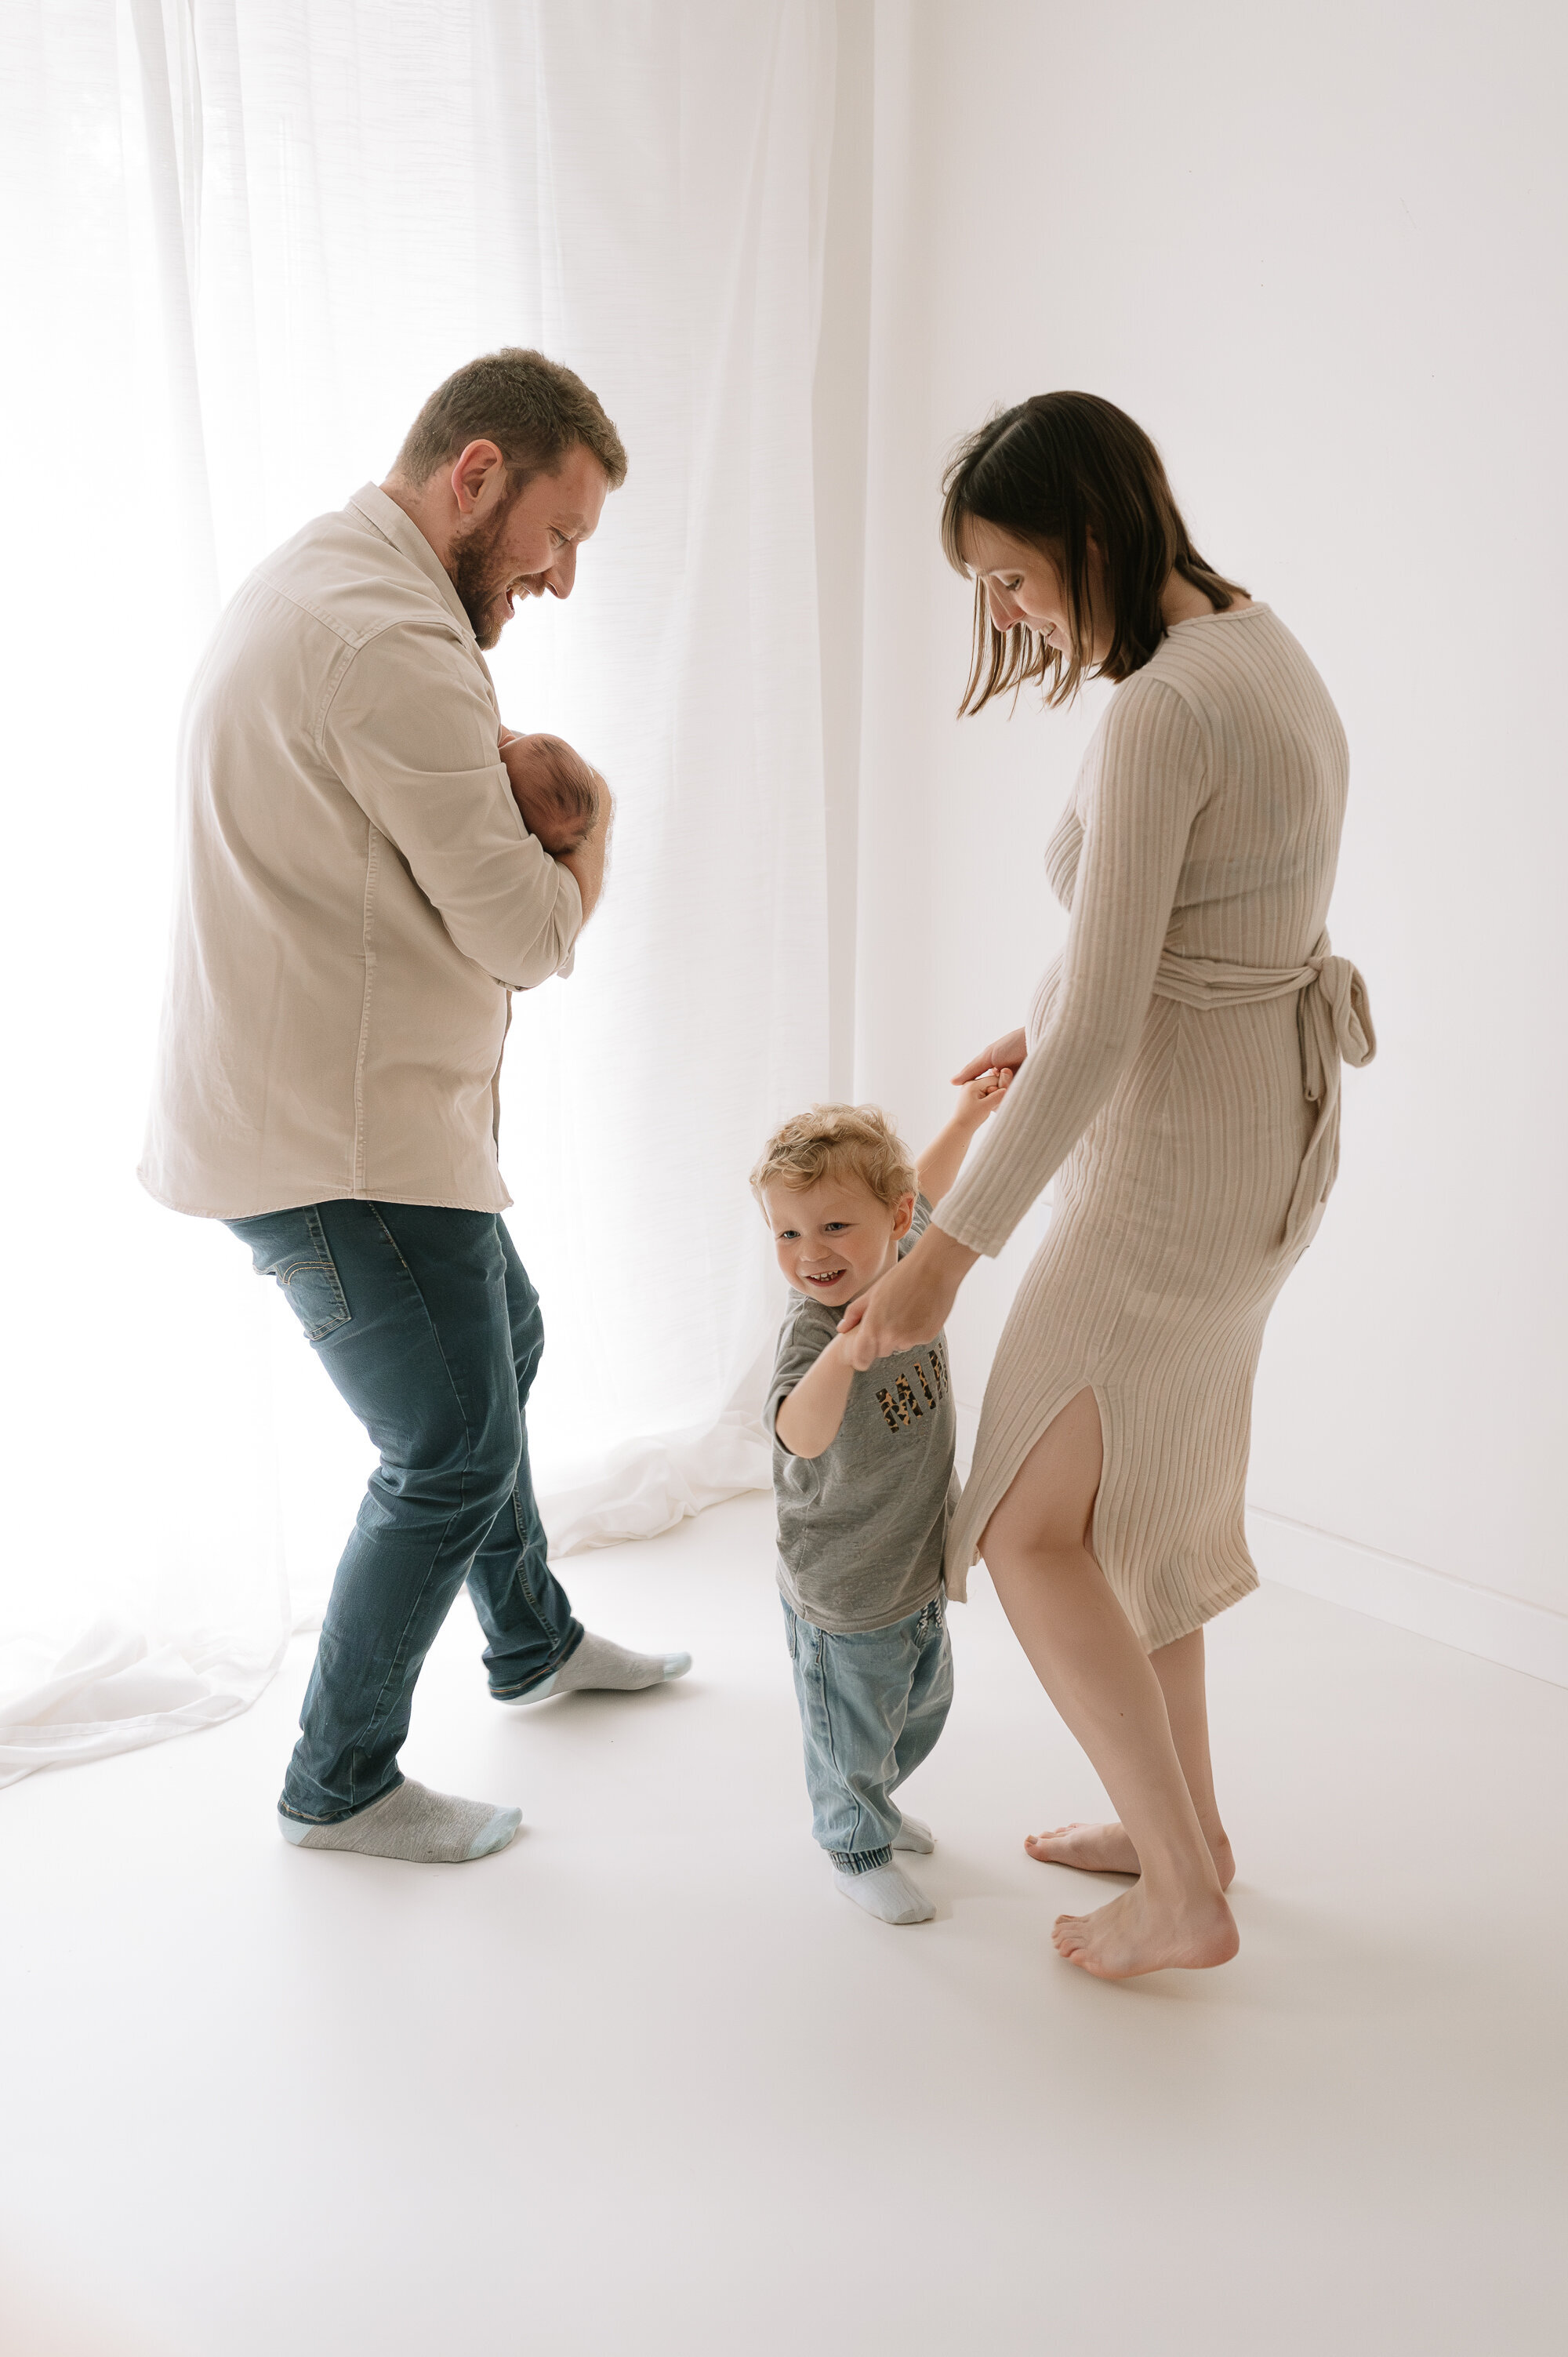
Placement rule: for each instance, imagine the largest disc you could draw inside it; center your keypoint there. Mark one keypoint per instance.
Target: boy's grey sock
(413, 1823)
(913, 1834)
(887, 1893)
(600, 1663)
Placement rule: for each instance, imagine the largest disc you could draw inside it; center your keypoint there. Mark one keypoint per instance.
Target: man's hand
(910, 1304)
(589, 864)
(1003, 1055)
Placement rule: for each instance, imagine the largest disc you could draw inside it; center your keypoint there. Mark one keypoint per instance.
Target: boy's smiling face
(835, 1238)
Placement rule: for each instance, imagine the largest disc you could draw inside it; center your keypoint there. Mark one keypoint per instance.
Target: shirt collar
(390, 520)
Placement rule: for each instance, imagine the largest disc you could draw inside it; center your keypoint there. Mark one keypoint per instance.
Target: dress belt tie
(1334, 1025)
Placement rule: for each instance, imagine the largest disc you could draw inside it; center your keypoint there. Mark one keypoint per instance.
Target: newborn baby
(554, 788)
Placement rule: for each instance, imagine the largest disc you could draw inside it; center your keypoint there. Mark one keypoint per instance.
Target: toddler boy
(863, 1475)
(554, 788)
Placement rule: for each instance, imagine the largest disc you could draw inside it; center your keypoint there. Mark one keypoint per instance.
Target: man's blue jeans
(872, 1706)
(426, 1323)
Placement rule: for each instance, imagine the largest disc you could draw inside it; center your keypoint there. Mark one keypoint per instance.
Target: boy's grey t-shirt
(862, 1527)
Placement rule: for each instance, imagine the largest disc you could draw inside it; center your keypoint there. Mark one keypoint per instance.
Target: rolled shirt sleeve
(412, 732)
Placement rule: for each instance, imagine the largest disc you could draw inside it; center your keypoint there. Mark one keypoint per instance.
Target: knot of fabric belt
(1335, 1023)
(1334, 1026)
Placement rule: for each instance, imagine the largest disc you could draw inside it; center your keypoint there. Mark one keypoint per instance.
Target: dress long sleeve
(1147, 786)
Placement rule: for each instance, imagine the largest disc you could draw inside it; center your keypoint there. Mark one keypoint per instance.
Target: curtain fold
(246, 238)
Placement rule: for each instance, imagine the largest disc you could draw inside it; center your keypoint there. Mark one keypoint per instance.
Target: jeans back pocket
(292, 1247)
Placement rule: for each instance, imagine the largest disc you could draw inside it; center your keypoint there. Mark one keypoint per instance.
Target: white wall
(1318, 254)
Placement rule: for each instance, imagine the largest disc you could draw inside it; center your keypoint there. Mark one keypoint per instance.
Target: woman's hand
(910, 1304)
(1003, 1055)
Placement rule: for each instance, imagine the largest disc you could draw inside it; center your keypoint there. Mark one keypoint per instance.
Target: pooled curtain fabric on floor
(245, 238)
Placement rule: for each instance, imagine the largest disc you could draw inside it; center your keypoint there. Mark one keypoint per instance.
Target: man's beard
(477, 577)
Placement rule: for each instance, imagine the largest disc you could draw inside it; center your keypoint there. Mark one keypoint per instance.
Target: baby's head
(554, 788)
(837, 1186)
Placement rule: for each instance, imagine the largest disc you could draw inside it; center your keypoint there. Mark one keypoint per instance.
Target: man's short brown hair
(531, 408)
(832, 1139)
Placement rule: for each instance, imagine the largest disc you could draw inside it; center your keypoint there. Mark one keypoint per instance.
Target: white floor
(644, 2083)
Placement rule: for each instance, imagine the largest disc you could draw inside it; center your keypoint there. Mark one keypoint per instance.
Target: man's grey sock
(887, 1893)
(913, 1834)
(599, 1663)
(413, 1823)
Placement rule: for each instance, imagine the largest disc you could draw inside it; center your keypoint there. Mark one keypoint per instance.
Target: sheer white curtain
(245, 239)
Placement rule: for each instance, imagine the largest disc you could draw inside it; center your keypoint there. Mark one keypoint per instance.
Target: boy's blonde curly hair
(833, 1139)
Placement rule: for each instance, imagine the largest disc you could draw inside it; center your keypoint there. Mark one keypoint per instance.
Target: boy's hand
(978, 1099)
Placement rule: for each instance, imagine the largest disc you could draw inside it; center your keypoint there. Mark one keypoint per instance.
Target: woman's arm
(1151, 786)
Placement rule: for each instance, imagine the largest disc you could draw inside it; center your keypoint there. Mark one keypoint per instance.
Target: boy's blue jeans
(426, 1323)
(872, 1706)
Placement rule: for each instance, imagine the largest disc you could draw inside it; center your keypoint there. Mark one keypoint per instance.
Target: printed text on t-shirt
(900, 1405)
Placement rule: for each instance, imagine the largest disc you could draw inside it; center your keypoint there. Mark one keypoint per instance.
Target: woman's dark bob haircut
(1054, 471)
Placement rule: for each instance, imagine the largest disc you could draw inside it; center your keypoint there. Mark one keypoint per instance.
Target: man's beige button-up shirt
(358, 894)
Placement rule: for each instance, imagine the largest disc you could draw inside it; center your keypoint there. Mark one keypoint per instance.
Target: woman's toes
(1096, 1849)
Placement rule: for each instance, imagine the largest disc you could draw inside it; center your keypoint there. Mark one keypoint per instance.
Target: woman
(1180, 1072)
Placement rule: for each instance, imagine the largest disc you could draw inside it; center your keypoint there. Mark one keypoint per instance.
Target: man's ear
(477, 469)
(902, 1217)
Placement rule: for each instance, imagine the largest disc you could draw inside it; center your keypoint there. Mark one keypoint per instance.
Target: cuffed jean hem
(510, 1694)
(304, 1817)
(859, 1861)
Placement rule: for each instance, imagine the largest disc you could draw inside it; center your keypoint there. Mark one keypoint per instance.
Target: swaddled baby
(557, 793)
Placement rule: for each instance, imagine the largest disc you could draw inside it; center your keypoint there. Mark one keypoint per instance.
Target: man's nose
(563, 573)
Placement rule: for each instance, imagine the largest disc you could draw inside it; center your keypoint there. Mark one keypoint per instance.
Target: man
(358, 897)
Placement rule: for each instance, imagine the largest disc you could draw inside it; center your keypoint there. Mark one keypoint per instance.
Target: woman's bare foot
(1108, 1849)
(1132, 1936)
(1094, 1849)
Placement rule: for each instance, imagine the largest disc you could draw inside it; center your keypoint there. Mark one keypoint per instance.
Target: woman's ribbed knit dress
(1183, 1080)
